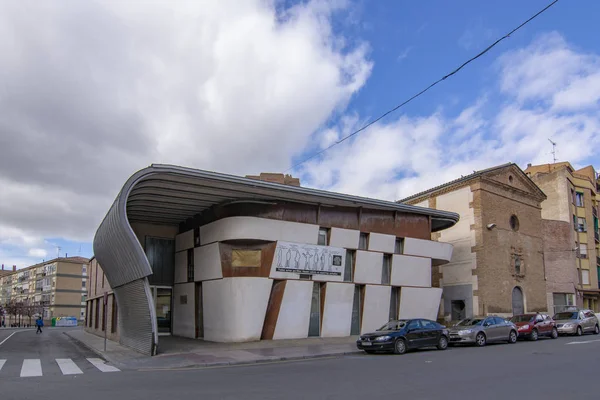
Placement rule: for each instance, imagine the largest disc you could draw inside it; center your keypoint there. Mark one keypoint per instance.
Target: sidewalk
(176, 352)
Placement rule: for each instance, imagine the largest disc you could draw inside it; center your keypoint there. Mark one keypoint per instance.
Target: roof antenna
(553, 151)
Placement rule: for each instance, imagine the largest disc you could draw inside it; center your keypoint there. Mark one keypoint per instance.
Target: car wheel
(442, 343)
(579, 331)
(596, 330)
(512, 337)
(480, 339)
(554, 333)
(534, 335)
(400, 346)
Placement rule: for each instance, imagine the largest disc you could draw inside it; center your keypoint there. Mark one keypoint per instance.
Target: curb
(253, 362)
(99, 353)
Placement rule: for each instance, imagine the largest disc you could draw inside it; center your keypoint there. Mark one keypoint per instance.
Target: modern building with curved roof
(206, 255)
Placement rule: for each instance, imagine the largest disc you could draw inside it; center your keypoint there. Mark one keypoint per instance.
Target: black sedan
(402, 335)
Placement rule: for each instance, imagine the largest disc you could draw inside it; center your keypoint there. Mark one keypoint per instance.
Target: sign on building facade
(309, 259)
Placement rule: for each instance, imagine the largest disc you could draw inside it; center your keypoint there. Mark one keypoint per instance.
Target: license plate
(367, 344)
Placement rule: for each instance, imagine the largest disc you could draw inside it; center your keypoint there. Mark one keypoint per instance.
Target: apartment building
(573, 236)
(55, 288)
(497, 264)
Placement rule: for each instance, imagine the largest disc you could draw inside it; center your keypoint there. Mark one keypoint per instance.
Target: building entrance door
(163, 305)
(518, 306)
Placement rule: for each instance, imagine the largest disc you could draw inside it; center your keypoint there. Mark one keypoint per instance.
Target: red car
(532, 326)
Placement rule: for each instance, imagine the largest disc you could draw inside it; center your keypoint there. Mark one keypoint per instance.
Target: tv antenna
(58, 248)
(553, 151)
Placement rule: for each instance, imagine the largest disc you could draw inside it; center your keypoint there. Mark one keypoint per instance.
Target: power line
(424, 90)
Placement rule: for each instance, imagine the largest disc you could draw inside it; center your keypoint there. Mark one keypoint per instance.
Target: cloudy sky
(92, 91)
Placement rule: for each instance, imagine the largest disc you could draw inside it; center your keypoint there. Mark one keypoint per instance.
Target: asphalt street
(548, 369)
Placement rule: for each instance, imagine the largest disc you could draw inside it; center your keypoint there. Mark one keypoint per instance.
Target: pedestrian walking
(39, 323)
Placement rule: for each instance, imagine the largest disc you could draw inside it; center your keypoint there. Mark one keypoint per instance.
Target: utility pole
(553, 151)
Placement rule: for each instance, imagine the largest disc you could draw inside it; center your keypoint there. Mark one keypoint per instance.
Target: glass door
(162, 301)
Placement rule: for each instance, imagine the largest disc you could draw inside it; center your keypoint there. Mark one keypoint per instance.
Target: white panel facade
(294, 314)
(234, 308)
(411, 271)
(381, 242)
(207, 262)
(376, 307)
(346, 238)
(258, 228)
(420, 302)
(427, 248)
(184, 241)
(180, 267)
(368, 267)
(184, 315)
(337, 312)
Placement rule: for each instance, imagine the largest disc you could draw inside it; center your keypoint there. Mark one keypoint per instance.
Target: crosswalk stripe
(98, 363)
(68, 367)
(2, 364)
(31, 367)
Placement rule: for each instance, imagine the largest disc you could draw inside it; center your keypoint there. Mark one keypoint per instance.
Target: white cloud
(92, 91)
(538, 85)
(40, 253)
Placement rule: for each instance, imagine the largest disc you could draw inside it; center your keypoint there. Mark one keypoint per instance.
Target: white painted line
(31, 368)
(68, 367)
(585, 341)
(98, 363)
(2, 364)
(9, 336)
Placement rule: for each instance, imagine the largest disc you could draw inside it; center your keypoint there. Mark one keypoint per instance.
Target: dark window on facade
(583, 250)
(190, 265)
(97, 313)
(399, 247)
(356, 306)
(113, 324)
(394, 303)
(510, 179)
(183, 299)
(161, 256)
(196, 237)
(323, 236)
(103, 316)
(349, 266)
(514, 223)
(579, 199)
(363, 241)
(581, 225)
(386, 269)
(306, 276)
(314, 325)
(518, 264)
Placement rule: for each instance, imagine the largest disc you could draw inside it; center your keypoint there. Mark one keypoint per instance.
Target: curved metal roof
(169, 194)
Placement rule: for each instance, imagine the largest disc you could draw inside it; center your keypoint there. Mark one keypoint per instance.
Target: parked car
(532, 326)
(399, 336)
(482, 330)
(576, 322)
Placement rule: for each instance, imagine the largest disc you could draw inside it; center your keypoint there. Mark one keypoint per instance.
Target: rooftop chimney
(14, 268)
(528, 165)
(2, 267)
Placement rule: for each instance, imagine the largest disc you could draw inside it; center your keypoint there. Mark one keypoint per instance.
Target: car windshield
(522, 318)
(393, 326)
(470, 322)
(566, 315)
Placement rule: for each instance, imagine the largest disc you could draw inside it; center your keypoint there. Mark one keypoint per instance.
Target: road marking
(2, 364)
(68, 367)
(585, 341)
(9, 336)
(31, 368)
(100, 364)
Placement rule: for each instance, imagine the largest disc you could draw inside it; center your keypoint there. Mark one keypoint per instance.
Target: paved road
(25, 354)
(547, 369)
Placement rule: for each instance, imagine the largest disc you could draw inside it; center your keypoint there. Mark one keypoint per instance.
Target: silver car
(479, 331)
(576, 322)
